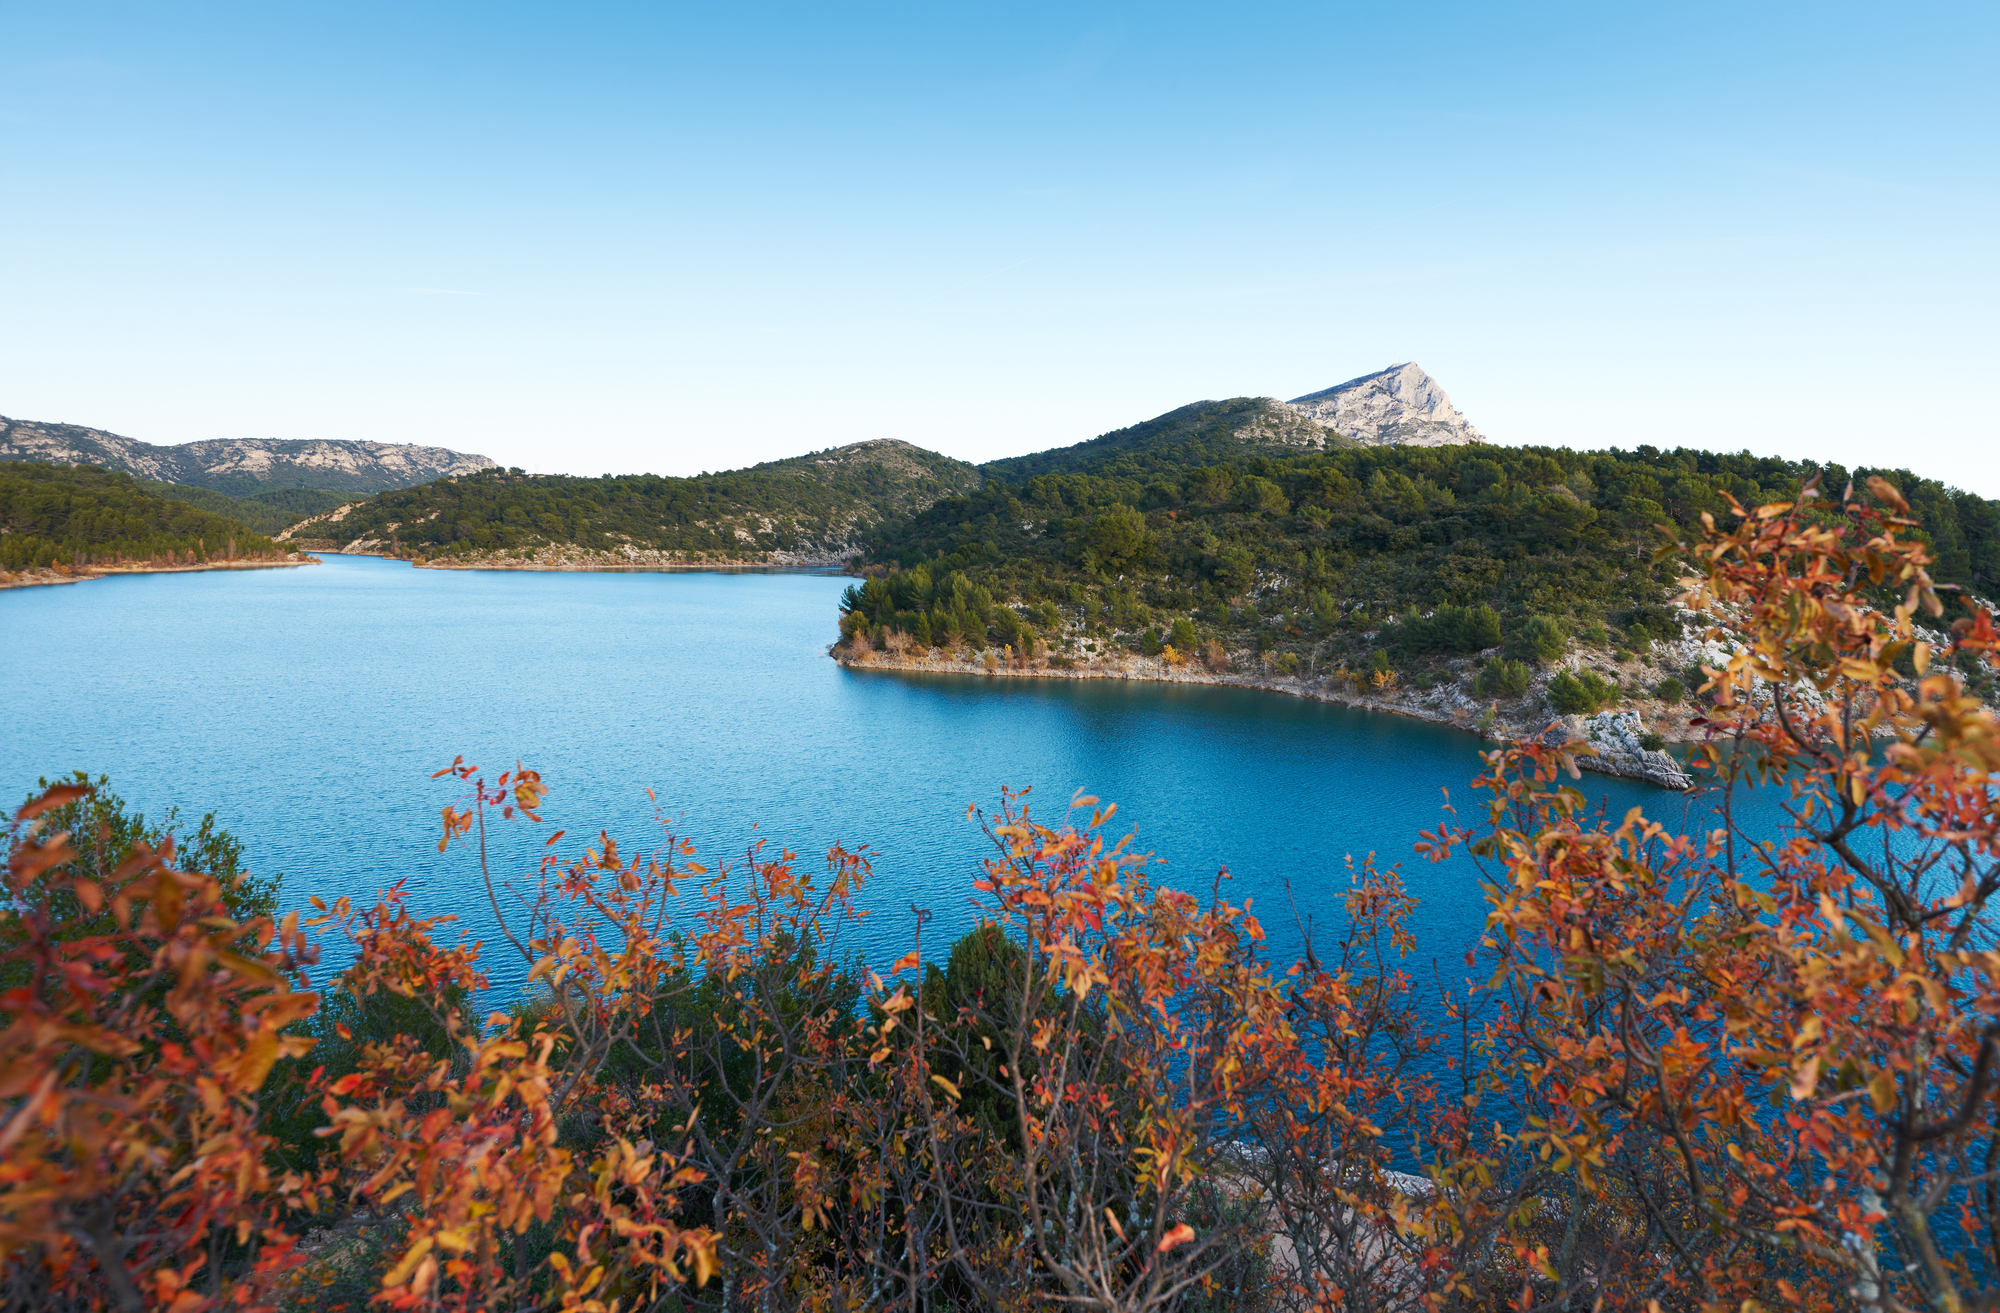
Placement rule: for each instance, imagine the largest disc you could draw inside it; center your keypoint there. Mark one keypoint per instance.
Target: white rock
(1397, 406)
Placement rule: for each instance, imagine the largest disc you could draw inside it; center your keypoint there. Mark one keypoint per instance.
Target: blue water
(308, 708)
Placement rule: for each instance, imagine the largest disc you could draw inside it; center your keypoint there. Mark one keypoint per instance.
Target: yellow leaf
(1806, 1079)
(704, 1259)
(247, 967)
(258, 1055)
(1882, 1091)
(949, 1088)
(400, 1273)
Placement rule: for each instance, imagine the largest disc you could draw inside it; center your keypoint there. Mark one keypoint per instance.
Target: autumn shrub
(1743, 1068)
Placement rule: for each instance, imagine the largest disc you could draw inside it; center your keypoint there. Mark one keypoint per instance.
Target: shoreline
(47, 578)
(1655, 768)
(531, 567)
(567, 559)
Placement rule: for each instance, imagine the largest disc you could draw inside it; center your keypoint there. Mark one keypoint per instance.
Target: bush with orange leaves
(134, 1172)
(1701, 1069)
(1748, 1068)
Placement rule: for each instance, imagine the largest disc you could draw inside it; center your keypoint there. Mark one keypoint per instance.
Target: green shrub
(1652, 740)
(1574, 693)
(1540, 640)
(1670, 689)
(1621, 655)
(1184, 638)
(1149, 642)
(1451, 629)
(1503, 679)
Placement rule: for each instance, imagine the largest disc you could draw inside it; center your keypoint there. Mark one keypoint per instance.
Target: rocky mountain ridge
(238, 466)
(1401, 406)
(1397, 406)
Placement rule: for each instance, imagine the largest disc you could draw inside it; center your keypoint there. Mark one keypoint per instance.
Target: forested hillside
(820, 504)
(1346, 554)
(1206, 432)
(60, 514)
(268, 512)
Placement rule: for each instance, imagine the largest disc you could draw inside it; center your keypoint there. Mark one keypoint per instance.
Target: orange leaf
(60, 795)
(1180, 1235)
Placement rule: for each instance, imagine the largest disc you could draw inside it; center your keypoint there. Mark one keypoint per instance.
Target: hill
(71, 518)
(812, 509)
(268, 512)
(1397, 406)
(1460, 575)
(241, 466)
(1201, 433)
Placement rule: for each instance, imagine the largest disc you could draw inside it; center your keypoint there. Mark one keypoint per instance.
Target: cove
(309, 707)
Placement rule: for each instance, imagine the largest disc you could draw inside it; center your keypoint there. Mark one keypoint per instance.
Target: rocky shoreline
(81, 574)
(577, 559)
(1615, 735)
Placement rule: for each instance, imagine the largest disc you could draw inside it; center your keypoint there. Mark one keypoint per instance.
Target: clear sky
(624, 237)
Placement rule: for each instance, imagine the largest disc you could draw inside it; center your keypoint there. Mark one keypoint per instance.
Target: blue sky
(595, 238)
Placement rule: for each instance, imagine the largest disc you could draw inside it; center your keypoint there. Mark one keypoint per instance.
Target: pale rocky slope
(1397, 406)
(237, 466)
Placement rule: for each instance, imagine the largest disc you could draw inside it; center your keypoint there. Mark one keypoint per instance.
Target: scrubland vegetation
(1341, 559)
(268, 512)
(807, 503)
(1676, 1072)
(63, 517)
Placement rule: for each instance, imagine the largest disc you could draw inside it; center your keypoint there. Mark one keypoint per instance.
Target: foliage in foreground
(1698, 1071)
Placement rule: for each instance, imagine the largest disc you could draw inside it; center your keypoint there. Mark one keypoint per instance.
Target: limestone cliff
(1397, 406)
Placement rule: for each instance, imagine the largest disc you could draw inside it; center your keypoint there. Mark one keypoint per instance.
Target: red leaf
(60, 795)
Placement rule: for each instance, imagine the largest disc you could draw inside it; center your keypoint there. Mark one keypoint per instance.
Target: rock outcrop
(1397, 406)
(236, 466)
(1620, 749)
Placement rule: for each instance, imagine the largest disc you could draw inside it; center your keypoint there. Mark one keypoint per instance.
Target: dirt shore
(45, 577)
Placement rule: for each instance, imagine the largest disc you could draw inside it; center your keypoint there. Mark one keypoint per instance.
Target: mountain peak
(1397, 406)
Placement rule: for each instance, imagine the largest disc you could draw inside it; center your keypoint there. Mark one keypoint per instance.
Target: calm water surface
(308, 708)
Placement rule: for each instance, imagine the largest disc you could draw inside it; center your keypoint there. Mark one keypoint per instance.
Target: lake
(308, 708)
